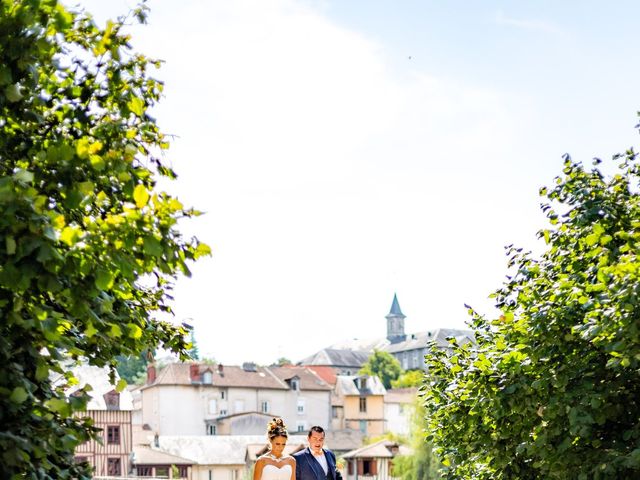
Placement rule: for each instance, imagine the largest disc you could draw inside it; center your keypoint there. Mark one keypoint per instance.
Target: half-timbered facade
(111, 413)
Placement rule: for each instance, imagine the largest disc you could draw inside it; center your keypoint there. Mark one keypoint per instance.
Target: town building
(110, 411)
(359, 402)
(373, 462)
(221, 457)
(399, 407)
(202, 399)
(408, 349)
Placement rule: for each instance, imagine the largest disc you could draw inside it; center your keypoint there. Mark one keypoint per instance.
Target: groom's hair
(317, 429)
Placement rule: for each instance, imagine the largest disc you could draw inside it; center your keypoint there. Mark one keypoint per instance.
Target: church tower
(395, 322)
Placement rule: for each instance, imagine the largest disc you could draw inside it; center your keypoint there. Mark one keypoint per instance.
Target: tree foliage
(552, 389)
(88, 249)
(422, 463)
(409, 378)
(132, 368)
(384, 365)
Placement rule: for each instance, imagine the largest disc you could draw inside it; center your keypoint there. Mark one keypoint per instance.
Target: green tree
(88, 247)
(132, 368)
(422, 463)
(409, 378)
(384, 365)
(552, 389)
(194, 351)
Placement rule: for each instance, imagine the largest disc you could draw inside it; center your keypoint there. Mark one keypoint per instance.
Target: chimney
(151, 373)
(194, 372)
(220, 370)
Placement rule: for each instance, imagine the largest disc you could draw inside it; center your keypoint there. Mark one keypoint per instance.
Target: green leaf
(152, 246)
(10, 244)
(592, 239)
(70, 235)
(136, 105)
(135, 331)
(122, 384)
(97, 162)
(59, 405)
(202, 250)
(140, 196)
(18, 395)
(12, 92)
(5, 75)
(23, 176)
(90, 331)
(104, 279)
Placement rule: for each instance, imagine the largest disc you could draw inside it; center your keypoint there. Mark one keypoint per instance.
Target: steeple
(395, 307)
(395, 322)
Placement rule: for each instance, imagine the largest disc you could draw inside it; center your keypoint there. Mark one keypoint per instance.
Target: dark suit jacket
(308, 468)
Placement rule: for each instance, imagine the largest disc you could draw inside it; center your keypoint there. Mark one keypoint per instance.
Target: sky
(347, 150)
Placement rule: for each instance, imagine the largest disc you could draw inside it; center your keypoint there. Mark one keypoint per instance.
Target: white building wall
(398, 417)
(218, 472)
(183, 409)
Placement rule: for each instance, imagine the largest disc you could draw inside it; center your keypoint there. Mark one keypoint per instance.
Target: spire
(395, 308)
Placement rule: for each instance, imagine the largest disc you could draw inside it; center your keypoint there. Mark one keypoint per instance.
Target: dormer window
(112, 400)
(361, 383)
(295, 384)
(207, 377)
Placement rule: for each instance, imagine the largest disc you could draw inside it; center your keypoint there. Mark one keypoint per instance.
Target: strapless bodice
(271, 472)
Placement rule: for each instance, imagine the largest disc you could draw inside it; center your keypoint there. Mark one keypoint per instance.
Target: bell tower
(395, 322)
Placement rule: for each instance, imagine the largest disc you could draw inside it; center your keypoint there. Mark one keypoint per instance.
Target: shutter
(350, 467)
(360, 467)
(374, 467)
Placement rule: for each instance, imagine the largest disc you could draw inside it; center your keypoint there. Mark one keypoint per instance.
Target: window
(301, 426)
(114, 467)
(369, 467)
(144, 471)
(334, 412)
(295, 385)
(363, 404)
(300, 406)
(264, 407)
(183, 471)
(223, 412)
(112, 400)
(213, 406)
(113, 434)
(222, 395)
(363, 426)
(207, 377)
(162, 471)
(361, 383)
(81, 459)
(211, 430)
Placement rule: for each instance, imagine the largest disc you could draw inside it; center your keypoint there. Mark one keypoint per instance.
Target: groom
(314, 462)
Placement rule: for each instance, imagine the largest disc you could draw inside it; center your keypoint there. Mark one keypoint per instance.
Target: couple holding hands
(312, 463)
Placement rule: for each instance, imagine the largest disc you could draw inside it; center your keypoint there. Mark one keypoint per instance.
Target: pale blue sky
(347, 150)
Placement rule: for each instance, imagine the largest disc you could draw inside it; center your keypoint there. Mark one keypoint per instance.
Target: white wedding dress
(271, 472)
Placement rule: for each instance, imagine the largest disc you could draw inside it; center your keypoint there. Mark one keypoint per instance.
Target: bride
(273, 465)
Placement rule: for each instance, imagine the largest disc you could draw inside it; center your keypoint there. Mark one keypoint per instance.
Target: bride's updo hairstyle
(277, 428)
